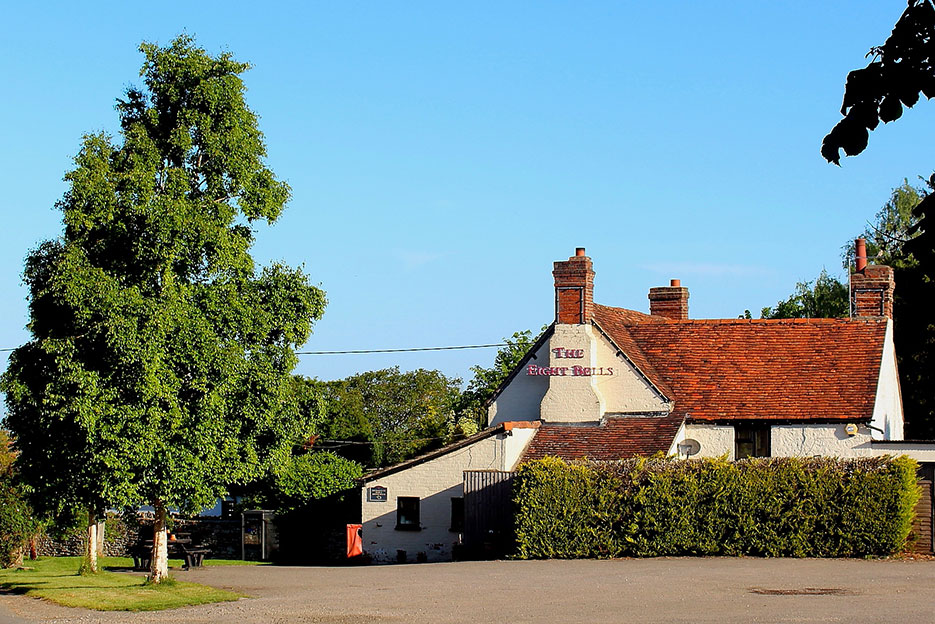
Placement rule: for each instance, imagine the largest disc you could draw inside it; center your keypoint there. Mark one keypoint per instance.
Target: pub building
(608, 383)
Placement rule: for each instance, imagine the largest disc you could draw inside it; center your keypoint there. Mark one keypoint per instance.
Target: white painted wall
(434, 482)
(513, 447)
(521, 398)
(626, 391)
(715, 440)
(805, 440)
(888, 407)
(679, 437)
(572, 398)
(828, 440)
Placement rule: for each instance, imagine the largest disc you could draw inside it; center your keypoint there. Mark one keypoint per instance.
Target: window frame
(404, 523)
(757, 435)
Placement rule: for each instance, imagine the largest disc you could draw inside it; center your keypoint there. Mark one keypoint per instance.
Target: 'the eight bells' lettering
(573, 371)
(562, 352)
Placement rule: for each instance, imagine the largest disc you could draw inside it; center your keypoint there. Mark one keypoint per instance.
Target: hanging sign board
(376, 494)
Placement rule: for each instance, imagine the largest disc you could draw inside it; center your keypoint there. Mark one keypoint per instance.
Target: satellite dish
(689, 447)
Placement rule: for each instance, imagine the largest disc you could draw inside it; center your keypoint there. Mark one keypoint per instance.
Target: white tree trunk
(90, 552)
(159, 566)
(101, 523)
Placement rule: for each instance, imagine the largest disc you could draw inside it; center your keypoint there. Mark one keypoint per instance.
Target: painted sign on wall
(376, 494)
(571, 371)
(561, 353)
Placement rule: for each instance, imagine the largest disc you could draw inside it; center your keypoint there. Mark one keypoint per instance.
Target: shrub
(16, 524)
(818, 507)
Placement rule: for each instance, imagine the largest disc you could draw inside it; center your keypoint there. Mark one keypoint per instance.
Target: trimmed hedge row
(817, 507)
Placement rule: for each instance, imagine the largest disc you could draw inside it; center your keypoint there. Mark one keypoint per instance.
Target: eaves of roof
(468, 441)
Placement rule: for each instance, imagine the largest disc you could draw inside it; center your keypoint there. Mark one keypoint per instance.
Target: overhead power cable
(408, 349)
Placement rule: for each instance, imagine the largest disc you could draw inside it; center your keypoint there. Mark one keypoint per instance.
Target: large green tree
(385, 416)
(890, 237)
(890, 229)
(826, 297)
(158, 368)
(898, 72)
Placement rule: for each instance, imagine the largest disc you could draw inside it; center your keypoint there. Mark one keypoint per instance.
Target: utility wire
(410, 349)
(406, 350)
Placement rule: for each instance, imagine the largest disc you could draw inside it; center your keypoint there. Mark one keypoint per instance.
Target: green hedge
(820, 507)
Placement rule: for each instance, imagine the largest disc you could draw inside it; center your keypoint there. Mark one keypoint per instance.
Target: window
(751, 441)
(457, 514)
(407, 513)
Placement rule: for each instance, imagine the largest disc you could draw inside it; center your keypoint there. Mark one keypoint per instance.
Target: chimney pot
(579, 252)
(860, 254)
(675, 283)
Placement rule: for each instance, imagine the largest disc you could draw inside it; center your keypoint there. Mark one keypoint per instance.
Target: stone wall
(221, 536)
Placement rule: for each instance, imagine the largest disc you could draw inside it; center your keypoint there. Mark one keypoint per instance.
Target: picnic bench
(181, 547)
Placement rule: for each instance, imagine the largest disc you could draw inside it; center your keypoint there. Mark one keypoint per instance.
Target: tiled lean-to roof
(618, 437)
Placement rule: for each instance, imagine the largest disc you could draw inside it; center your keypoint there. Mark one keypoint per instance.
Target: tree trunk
(18, 558)
(159, 562)
(102, 521)
(90, 550)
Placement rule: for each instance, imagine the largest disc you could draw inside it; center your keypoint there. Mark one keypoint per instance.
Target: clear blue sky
(443, 155)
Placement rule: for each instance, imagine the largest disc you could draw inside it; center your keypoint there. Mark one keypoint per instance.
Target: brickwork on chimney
(574, 289)
(872, 292)
(669, 301)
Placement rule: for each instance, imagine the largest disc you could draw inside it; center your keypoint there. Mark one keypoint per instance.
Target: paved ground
(643, 590)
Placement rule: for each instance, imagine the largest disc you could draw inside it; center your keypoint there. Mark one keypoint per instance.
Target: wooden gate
(488, 513)
(924, 540)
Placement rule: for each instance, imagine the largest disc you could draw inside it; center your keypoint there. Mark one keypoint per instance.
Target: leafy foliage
(900, 69)
(158, 369)
(306, 477)
(16, 520)
(820, 507)
(891, 236)
(888, 232)
(6, 454)
(826, 297)
(914, 338)
(383, 417)
(486, 380)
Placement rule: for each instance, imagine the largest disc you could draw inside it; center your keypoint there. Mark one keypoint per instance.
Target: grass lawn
(56, 579)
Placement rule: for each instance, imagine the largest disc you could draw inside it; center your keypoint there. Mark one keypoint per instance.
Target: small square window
(457, 514)
(407, 513)
(751, 441)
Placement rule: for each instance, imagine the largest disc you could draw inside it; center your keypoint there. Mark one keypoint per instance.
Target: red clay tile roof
(724, 370)
(617, 438)
(614, 321)
(735, 369)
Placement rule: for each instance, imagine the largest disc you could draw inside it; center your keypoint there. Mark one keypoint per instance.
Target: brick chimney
(574, 289)
(872, 286)
(669, 301)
